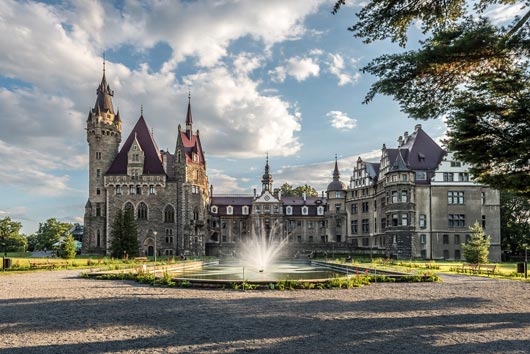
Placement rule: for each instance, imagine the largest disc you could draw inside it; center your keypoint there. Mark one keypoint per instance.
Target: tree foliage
(288, 190)
(476, 250)
(468, 70)
(68, 247)
(10, 238)
(50, 232)
(515, 222)
(124, 234)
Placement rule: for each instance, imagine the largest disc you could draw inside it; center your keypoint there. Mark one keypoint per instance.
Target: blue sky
(265, 76)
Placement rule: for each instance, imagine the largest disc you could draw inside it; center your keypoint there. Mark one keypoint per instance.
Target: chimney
(400, 141)
(211, 190)
(417, 127)
(304, 196)
(405, 137)
(322, 194)
(255, 193)
(280, 194)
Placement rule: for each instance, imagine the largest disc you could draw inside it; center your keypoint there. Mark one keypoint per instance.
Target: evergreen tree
(515, 223)
(468, 70)
(68, 247)
(124, 234)
(476, 250)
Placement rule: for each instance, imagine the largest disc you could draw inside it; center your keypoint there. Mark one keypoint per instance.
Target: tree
(10, 238)
(515, 222)
(476, 250)
(124, 234)
(468, 70)
(68, 247)
(288, 190)
(50, 232)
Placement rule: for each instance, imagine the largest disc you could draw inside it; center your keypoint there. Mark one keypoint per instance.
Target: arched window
(305, 210)
(230, 210)
(320, 210)
(245, 210)
(169, 214)
(289, 210)
(142, 211)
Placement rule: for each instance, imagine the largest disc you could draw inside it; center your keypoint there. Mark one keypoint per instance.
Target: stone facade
(168, 193)
(416, 202)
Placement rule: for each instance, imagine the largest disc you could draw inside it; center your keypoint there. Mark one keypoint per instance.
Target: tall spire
(189, 119)
(104, 100)
(266, 181)
(336, 174)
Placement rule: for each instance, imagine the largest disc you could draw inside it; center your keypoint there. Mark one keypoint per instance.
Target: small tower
(103, 136)
(266, 180)
(336, 216)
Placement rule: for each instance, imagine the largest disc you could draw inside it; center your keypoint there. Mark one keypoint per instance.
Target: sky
(277, 77)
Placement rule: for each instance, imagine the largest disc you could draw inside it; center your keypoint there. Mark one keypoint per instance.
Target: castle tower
(266, 180)
(103, 137)
(193, 189)
(336, 215)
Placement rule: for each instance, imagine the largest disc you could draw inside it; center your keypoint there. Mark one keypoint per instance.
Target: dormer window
(320, 210)
(214, 209)
(195, 158)
(245, 210)
(135, 147)
(136, 157)
(289, 210)
(230, 210)
(305, 210)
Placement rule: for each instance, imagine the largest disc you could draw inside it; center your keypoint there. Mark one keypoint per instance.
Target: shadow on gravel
(268, 325)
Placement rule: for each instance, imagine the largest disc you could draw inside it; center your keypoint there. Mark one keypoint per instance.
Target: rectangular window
(482, 198)
(98, 209)
(383, 224)
(138, 189)
(421, 176)
(454, 197)
(354, 227)
(365, 207)
(310, 238)
(257, 209)
(457, 239)
(445, 239)
(366, 225)
(463, 177)
(131, 189)
(98, 155)
(423, 239)
(309, 224)
(395, 219)
(423, 254)
(457, 220)
(448, 176)
(404, 219)
(337, 207)
(375, 204)
(366, 242)
(267, 209)
(483, 221)
(404, 178)
(394, 196)
(118, 190)
(404, 196)
(337, 195)
(151, 189)
(423, 221)
(354, 208)
(446, 254)
(457, 254)
(98, 191)
(98, 172)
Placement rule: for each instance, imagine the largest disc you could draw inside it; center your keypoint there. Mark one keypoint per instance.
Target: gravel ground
(58, 312)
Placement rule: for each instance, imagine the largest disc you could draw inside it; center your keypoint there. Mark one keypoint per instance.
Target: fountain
(261, 249)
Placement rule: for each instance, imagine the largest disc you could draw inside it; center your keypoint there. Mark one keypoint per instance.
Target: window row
(134, 189)
(142, 212)
(450, 177)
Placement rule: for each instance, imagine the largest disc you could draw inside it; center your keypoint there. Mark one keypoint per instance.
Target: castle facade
(416, 202)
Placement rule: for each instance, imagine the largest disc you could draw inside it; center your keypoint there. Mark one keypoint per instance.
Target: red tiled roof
(192, 145)
(153, 160)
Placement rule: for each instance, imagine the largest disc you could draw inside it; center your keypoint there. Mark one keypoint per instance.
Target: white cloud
(340, 120)
(502, 14)
(297, 67)
(14, 212)
(338, 68)
(225, 184)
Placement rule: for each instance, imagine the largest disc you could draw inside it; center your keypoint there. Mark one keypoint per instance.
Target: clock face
(267, 197)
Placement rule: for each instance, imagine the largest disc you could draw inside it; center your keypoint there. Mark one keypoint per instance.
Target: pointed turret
(189, 119)
(104, 100)
(336, 185)
(266, 181)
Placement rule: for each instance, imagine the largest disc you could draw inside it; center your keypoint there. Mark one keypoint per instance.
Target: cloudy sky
(265, 76)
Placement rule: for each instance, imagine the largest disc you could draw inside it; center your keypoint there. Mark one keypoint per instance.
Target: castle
(416, 202)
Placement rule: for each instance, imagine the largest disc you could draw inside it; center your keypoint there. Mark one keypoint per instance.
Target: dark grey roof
(231, 200)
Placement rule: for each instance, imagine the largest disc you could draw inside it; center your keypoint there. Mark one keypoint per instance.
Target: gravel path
(57, 312)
